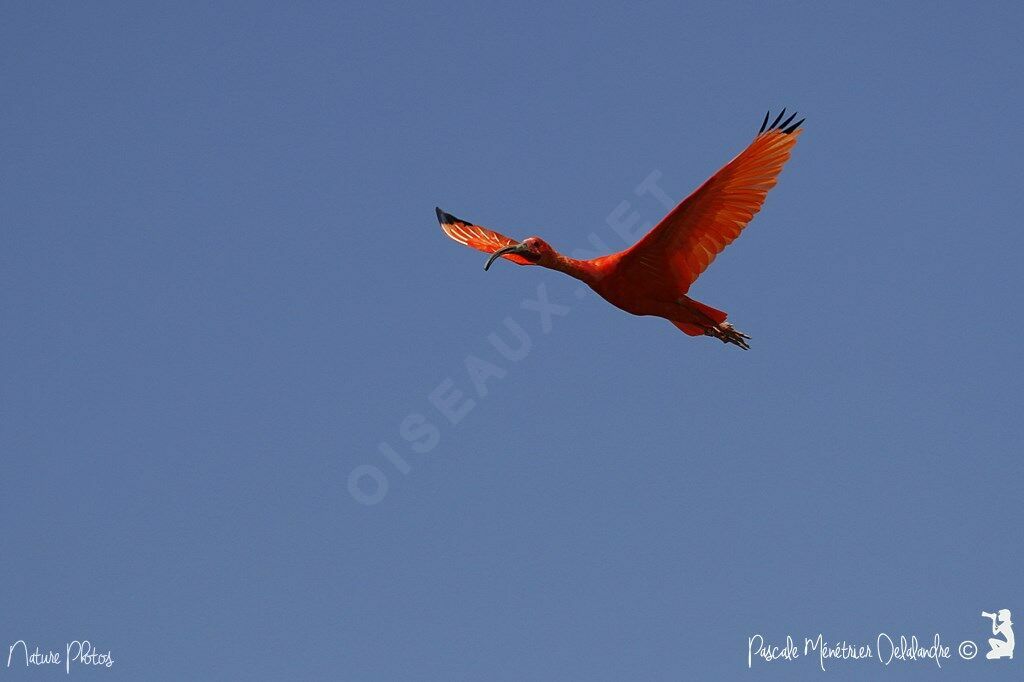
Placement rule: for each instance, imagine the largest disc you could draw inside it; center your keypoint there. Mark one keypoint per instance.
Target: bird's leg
(726, 333)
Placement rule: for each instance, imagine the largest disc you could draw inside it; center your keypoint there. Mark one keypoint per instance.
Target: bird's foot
(726, 333)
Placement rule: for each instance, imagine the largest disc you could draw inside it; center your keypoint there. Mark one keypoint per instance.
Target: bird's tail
(699, 317)
(691, 329)
(703, 320)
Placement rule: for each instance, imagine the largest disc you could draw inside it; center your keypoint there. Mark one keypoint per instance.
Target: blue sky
(222, 287)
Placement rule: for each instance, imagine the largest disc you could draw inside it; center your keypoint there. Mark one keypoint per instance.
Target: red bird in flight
(652, 276)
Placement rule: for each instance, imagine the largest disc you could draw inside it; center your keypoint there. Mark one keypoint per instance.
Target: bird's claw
(726, 333)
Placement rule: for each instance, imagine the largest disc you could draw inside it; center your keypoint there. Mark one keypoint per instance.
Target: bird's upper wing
(685, 242)
(477, 237)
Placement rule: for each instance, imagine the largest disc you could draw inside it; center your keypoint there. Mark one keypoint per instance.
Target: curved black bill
(515, 248)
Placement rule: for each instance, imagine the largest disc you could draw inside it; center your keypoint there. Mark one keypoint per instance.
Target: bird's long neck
(583, 270)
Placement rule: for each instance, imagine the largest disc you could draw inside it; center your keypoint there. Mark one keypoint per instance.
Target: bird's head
(534, 250)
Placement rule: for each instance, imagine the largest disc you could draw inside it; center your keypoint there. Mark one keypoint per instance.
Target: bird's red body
(653, 276)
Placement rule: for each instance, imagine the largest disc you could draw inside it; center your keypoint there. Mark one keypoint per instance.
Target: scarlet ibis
(653, 276)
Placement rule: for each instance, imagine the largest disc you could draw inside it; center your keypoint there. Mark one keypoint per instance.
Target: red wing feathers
(477, 237)
(685, 242)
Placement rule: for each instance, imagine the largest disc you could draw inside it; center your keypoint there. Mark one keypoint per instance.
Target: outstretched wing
(685, 242)
(476, 237)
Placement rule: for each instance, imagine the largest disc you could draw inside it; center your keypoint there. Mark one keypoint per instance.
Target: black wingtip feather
(793, 127)
(781, 127)
(447, 218)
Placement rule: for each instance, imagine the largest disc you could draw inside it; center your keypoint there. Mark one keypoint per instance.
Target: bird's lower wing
(477, 237)
(685, 242)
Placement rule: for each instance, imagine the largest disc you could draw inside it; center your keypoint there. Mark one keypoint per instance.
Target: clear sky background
(222, 286)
